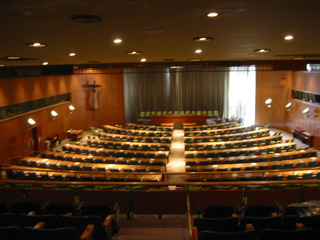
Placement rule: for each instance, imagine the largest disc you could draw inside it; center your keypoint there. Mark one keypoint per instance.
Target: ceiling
(163, 30)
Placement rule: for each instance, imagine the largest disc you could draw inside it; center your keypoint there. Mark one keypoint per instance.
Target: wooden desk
(75, 134)
(178, 118)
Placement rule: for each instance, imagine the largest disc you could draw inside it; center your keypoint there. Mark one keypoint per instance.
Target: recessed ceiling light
(143, 60)
(202, 39)
(72, 54)
(289, 37)
(37, 44)
(194, 59)
(118, 40)
(212, 14)
(198, 51)
(45, 63)
(262, 50)
(134, 52)
(13, 57)
(86, 18)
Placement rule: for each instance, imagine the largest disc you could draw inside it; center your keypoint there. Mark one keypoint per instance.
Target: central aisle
(176, 157)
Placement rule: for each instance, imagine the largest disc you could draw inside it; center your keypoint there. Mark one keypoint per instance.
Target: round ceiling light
(262, 50)
(134, 52)
(86, 18)
(37, 44)
(203, 39)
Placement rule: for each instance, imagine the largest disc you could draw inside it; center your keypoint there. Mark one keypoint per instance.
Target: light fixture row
(53, 114)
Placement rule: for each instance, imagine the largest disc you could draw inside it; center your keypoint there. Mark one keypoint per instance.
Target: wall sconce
(268, 102)
(53, 114)
(306, 112)
(288, 106)
(71, 108)
(31, 122)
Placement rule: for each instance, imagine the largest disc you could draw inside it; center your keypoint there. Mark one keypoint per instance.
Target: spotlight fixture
(72, 54)
(71, 109)
(203, 39)
(262, 50)
(306, 112)
(288, 106)
(198, 51)
(45, 63)
(53, 114)
(134, 52)
(31, 122)
(37, 44)
(143, 60)
(268, 102)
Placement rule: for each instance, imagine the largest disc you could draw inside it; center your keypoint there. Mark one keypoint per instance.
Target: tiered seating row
(293, 155)
(95, 151)
(219, 129)
(246, 151)
(112, 129)
(128, 145)
(203, 137)
(262, 141)
(149, 127)
(130, 138)
(101, 159)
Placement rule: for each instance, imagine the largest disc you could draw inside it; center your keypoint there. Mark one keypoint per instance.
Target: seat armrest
(234, 215)
(238, 209)
(198, 208)
(69, 214)
(87, 233)
(39, 225)
(195, 233)
(32, 213)
(249, 226)
(108, 220)
(274, 214)
(279, 207)
(300, 226)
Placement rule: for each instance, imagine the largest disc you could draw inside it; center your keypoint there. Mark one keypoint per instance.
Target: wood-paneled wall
(276, 85)
(16, 138)
(269, 86)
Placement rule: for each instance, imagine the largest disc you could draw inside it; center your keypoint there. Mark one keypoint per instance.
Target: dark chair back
(259, 210)
(229, 224)
(81, 222)
(243, 235)
(276, 234)
(50, 220)
(59, 208)
(25, 207)
(95, 209)
(260, 223)
(12, 233)
(218, 211)
(9, 219)
(68, 233)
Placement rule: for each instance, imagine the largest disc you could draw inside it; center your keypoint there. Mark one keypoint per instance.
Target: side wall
(17, 139)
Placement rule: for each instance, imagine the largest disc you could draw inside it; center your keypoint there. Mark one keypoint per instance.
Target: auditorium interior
(160, 119)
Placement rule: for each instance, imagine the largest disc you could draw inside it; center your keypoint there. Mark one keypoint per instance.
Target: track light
(306, 112)
(31, 122)
(288, 106)
(71, 109)
(53, 114)
(268, 102)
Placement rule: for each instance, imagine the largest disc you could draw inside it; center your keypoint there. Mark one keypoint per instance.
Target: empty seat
(259, 210)
(278, 234)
